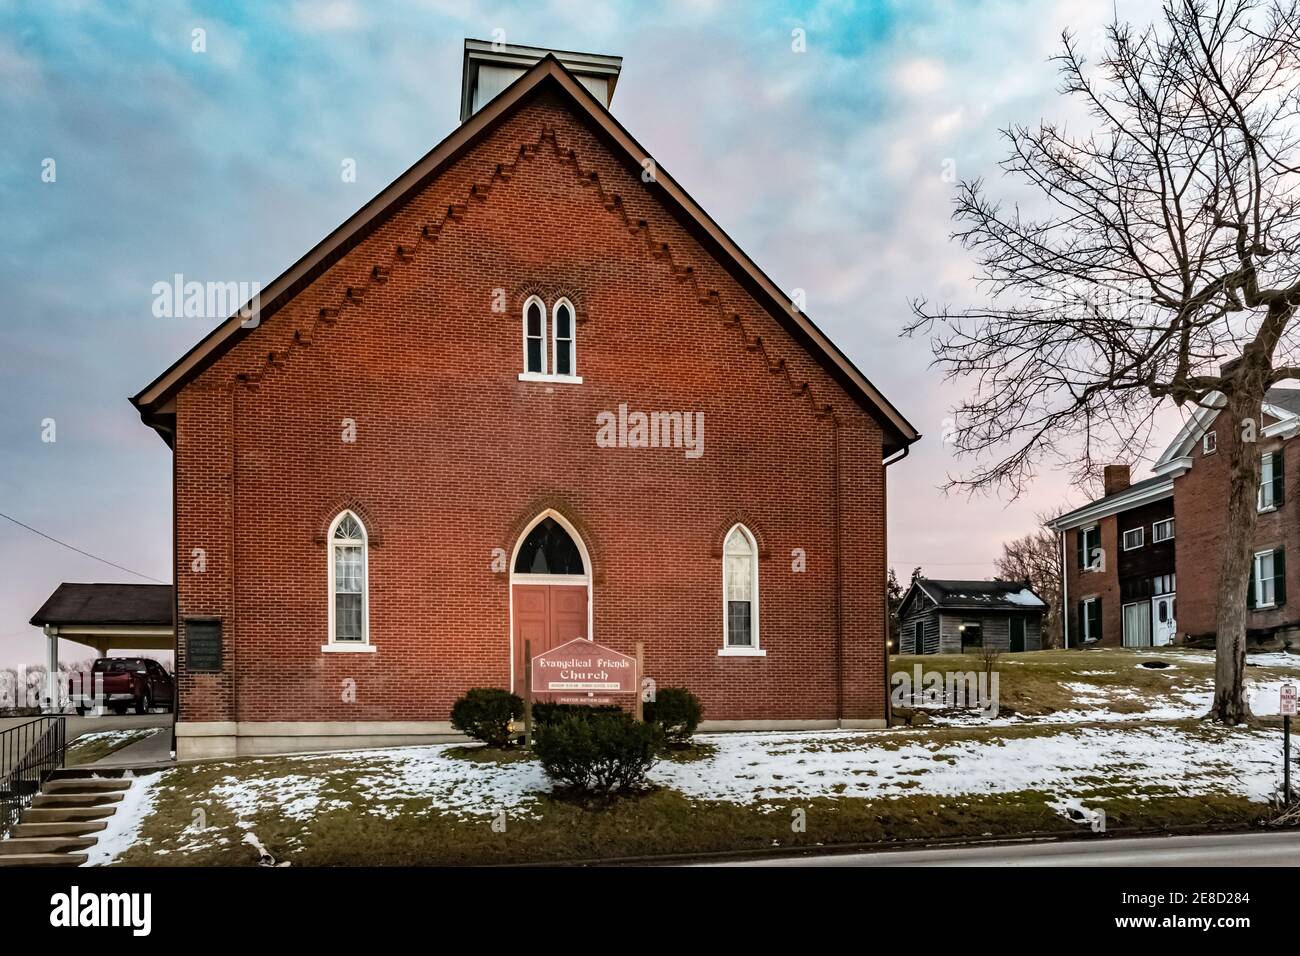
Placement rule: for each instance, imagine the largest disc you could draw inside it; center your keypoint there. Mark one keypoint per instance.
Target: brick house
(1141, 563)
(953, 617)
(477, 413)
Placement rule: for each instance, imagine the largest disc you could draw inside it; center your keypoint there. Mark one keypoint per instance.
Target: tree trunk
(1242, 428)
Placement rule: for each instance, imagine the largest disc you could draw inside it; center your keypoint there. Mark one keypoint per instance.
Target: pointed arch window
(550, 342)
(534, 337)
(349, 615)
(740, 593)
(549, 549)
(564, 340)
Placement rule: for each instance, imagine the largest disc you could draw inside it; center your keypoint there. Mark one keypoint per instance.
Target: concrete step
(86, 785)
(75, 799)
(43, 859)
(65, 814)
(26, 846)
(86, 773)
(68, 828)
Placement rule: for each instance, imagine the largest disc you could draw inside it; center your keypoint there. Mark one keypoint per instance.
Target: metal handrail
(29, 753)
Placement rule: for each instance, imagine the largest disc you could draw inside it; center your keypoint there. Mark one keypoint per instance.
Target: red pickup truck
(121, 682)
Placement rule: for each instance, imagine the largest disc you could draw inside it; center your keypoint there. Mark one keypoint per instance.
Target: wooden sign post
(528, 694)
(640, 670)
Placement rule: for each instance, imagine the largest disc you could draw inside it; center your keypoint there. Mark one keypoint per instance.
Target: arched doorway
(550, 590)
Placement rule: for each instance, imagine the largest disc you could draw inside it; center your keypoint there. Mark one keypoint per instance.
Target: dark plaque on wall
(202, 646)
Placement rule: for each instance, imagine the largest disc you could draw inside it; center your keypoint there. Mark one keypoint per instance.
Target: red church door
(550, 577)
(546, 616)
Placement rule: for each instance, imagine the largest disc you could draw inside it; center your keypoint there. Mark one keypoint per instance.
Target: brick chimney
(1115, 478)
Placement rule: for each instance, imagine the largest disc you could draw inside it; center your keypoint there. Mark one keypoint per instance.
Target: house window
(1133, 539)
(740, 593)
(1163, 584)
(565, 343)
(972, 634)
(1091, 557)
(1090, 619)
(1210, 443)
(1162, 531)
(349, 611)
(1267, 580)
(534, 337)
(1270, 481)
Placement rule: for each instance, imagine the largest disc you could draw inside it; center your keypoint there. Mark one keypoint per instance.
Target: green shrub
(599, 753)
(485, 713)
(677, 711)
(544, 713)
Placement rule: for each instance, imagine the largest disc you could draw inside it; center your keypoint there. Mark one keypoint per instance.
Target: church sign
(583, 672)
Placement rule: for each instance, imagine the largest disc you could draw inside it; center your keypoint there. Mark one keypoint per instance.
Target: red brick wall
(1200, 502)
(454, 454)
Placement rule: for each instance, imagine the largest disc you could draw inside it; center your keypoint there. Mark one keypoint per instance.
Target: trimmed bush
(600, 753)
(677, 711)
(485, 713)
(544, 713)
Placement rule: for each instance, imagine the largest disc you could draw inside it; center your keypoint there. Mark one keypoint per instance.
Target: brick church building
(530, 390)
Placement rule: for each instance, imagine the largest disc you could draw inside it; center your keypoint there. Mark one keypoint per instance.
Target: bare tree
(1164, 267)
(1036, 558)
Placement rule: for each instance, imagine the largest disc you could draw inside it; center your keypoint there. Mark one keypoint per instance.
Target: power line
(70, 547)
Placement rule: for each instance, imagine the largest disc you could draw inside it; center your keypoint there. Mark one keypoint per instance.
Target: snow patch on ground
(123, 828)
(748, 767)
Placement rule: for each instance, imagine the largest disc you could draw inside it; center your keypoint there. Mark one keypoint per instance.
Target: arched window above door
(549, 549)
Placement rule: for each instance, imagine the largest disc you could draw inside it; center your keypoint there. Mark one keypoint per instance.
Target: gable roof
(1280, 404)
(154, 401)
(107, 605)
(978, 595)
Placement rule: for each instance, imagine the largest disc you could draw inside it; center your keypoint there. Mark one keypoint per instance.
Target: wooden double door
(545, 616)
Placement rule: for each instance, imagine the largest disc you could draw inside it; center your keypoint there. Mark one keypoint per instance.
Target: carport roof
(136, 605)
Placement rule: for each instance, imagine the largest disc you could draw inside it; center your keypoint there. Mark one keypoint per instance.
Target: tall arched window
(349, 610)
(534, 337)
(564, 339)
(740, 592)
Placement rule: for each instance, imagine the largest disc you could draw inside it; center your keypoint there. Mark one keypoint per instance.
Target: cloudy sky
(827, 166)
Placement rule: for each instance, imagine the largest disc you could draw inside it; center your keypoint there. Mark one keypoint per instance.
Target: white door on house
(1163, 627)
(1137, 624)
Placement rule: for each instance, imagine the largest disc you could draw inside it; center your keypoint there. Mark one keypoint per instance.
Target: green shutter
(1250, 586)
(1279, 578)
(1092, 609)
(1078, 547)
(1278, 483)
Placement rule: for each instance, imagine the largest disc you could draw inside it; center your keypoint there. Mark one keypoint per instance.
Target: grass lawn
(1087, 729)
(438, 805)
(1106, 683)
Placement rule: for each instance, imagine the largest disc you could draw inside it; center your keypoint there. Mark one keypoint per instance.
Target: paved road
(1230, 849)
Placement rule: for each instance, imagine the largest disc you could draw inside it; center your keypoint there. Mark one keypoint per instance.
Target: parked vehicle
(122, 682)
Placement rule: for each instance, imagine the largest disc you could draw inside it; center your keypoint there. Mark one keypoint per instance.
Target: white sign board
(1288, 699)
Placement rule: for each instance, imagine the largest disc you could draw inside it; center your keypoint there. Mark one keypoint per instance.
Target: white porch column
(52, 664)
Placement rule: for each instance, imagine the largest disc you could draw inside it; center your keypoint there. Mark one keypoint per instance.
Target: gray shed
(951, 617)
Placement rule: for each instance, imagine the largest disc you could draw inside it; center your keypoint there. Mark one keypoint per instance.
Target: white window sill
(742, 652)
(1264, 607)
(349, 649)
(1267, 509)
(553, 379)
